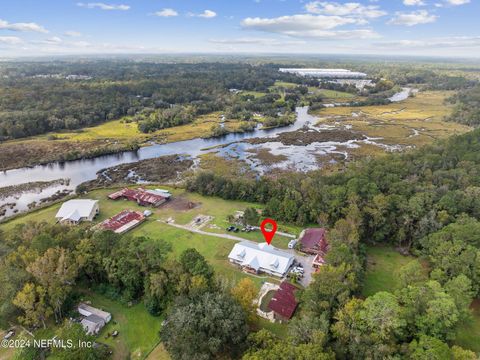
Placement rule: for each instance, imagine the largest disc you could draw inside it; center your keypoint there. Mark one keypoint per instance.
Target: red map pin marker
(268, 235)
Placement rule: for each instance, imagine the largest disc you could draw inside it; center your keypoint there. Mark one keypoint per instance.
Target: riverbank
(29, 153)
(163, 169)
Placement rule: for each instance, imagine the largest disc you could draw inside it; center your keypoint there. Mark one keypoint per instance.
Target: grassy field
(285, 84)
(159, 353)
(138, 330)
(5, 353)
(414, 122)
(256, 94)
(382, 266)
(110, 137)
(468, 335)
(334, 95)
(123, 130)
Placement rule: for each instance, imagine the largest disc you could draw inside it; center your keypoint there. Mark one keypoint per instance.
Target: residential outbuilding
(313, 241)
(283, 303)
(123, 221)
(141, 196)
(261, 258)
(94, 319)
(75, 211)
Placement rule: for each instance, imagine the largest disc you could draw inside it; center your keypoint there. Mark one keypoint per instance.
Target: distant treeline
(467, 107)
(41, 98)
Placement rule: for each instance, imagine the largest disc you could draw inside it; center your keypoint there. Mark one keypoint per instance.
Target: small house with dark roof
(313, 241)
(93, 319)
(283, 303)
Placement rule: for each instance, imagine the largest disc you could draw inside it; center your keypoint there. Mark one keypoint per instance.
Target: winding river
(79, 171)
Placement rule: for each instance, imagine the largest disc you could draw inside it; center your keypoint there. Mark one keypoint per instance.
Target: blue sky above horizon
(387, 27)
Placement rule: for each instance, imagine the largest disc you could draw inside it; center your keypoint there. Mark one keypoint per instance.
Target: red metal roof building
(123, 221)
(313, 241)
(283, 303)
(140, 196)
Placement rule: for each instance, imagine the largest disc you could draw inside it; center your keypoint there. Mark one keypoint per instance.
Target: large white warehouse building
(325, 73)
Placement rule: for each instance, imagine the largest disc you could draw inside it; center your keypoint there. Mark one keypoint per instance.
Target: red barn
(140, 196)
(283, 303)
(313, 241)
(123, 221)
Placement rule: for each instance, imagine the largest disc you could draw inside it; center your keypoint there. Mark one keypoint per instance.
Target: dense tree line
(467, 107)
(40, 97)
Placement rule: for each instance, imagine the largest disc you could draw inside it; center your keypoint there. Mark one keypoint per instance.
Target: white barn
(75, 211)
(257, 258)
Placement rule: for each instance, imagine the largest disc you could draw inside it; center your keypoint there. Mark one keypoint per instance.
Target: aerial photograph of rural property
(239, 180)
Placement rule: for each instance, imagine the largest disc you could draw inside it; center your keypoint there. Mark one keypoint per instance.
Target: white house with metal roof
(75, 211)
(256, 258)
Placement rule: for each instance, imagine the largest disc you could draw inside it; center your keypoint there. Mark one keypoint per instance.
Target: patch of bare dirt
(179, 203)
(307, 137)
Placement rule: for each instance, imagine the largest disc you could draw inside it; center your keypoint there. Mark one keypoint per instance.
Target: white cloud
(72, 33)
(53, 40)
(5, 25)
(104, 6)
(449, 3)
(307, 25)
(346, 9)
(413, 18)
(434, 43)
(10, 40)
(414, 2)
(256, 41)
(166, 13)
(207, 14)
(284, 24)
(458, 2)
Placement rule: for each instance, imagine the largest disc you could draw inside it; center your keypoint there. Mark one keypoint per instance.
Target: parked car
(9, 334)
(230, 228)
(292, 243)
(297, 270)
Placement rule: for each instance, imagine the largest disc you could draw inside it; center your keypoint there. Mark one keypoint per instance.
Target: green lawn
(285, 84)
(256, 94)
(468, 335)
(5, 352)
(266, 300)
(332, 94)
(138, 330)
(382, 266)
(159, 353)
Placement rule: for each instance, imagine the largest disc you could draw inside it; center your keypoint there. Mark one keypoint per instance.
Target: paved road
(188, 228)
(306, 261)
(279, 233)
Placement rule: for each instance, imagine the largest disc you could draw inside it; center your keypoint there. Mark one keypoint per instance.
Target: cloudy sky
(391, 27)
